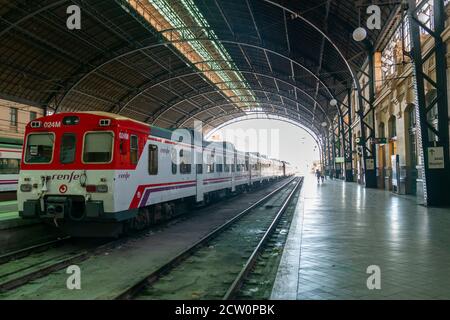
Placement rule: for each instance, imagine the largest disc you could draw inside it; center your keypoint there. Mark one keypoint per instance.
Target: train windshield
(39, 148)
(98, 147)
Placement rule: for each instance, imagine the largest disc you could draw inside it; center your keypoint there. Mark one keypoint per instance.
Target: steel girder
(160, 113)
(301, 122)
(366, 115)
(347, 139)
(269, 107)
(315, 135)
(432, 139)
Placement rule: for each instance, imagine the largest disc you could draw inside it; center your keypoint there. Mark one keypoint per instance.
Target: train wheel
(142, 219)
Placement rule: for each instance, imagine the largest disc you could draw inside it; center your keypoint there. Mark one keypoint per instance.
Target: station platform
(340, 229)
(9, 217)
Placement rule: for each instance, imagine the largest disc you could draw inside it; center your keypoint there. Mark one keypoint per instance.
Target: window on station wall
(412, 130)
(33, 115)
(67, 150)
(392, 56)
(392, 127)
(432, 115)
(13, 116)
(381, 131)
(152, 160)
(134, 148)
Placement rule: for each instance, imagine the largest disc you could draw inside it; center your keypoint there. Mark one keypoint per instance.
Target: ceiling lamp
(360, 34)
(324, 124)
(333, 102)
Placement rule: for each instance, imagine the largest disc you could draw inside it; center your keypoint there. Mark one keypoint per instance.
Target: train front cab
(68, 168)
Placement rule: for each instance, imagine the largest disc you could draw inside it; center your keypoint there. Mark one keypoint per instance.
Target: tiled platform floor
(341, 228)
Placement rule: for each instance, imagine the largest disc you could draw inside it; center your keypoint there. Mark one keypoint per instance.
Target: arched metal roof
(286, 58)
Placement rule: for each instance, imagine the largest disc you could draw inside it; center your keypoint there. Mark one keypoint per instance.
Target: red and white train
(97, 172)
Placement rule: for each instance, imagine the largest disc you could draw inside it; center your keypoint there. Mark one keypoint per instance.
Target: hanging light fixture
(333, 102)
(360, 34)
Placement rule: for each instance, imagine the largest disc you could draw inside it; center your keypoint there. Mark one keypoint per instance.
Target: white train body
(10, 156)
(98, 167)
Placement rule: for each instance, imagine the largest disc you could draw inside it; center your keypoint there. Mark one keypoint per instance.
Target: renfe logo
(69, 177)
(125, 176)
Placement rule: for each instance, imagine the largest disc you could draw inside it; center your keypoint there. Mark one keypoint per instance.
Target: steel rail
(42, 272)
(132, 291)
(17, 254)
(236, 285)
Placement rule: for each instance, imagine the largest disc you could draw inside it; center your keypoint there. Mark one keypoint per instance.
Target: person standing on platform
(318, 175)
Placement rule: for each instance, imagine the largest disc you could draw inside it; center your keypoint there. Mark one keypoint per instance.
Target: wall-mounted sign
(436, 158)
(395, 160)
(359, 141)
(340, 160)
(370, 164)
(348, 166)
(379, 140)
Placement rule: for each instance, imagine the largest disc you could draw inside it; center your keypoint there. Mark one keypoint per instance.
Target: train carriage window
(219, 167)
(68, 145)
(134, 147)
(185, 165)
(152, 160)
(210, 168)
(98, 147)
(199, 168)
(174, 168)
(39, 148)
(9, 166)
(185, 168)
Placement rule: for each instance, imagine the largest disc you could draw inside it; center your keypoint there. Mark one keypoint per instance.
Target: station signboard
(379, 141)
(436, 158)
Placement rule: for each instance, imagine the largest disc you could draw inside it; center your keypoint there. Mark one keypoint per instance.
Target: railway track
(19, 268)
(18, 254)
(217, 265)
(38, 261)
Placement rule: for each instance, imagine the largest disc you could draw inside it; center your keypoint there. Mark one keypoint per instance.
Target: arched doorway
(392, 150)
(381, 156)
(411, 149)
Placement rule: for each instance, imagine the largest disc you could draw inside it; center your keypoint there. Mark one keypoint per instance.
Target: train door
(248, 168)
(198, 161)
(233, 171)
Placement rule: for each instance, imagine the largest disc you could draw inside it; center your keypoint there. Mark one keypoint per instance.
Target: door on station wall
(412, 150)
(392, 150)
(381, 157)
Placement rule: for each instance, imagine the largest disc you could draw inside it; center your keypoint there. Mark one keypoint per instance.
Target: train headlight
(104, 122)
(102, 188)
(36, 124)
(25, 187)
